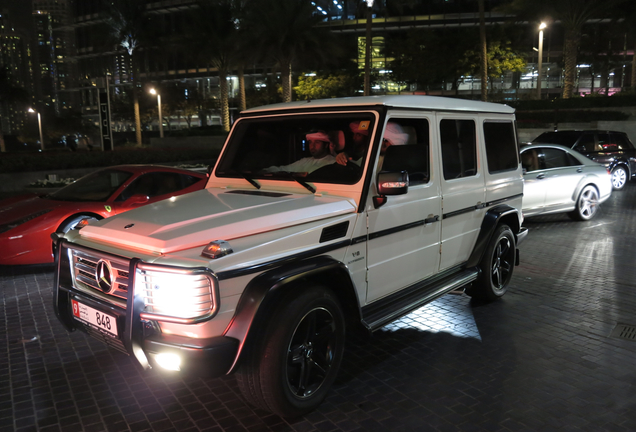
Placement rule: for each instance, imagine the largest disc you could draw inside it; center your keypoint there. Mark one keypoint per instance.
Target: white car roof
(434, 103)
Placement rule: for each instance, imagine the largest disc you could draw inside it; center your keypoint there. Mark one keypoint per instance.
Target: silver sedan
(558, 179)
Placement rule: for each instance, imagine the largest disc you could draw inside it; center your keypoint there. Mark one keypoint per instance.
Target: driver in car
(319, 147)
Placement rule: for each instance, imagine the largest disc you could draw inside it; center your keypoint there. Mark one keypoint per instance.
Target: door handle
(579, 170)
(541, 176)
(431, 219)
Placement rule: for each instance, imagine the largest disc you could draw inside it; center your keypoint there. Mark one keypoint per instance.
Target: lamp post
(155, 92)
(31, 110)
(367, 49)
(541, 27)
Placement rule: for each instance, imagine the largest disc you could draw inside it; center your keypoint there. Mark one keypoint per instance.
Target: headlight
(9, 226)
(176, 294)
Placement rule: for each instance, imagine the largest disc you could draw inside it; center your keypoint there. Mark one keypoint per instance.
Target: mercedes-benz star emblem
(104, 276)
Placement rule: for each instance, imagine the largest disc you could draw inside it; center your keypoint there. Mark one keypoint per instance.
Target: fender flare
(489, 224)
(261, 293)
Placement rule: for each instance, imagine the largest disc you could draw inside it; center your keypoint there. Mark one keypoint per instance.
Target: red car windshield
(98, 186)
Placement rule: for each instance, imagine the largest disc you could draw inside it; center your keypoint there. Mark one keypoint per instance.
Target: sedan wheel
(586, 205)
(619, 178)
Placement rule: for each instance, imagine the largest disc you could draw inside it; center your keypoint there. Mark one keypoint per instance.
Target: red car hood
(13, 209)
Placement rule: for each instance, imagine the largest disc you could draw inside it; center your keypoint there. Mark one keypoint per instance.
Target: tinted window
(555, 158)
(586, 144)
(622, 141)
(98, 186)
(458, 148)
(501, 146)
(530, 160)
(157, 183)
(410, 149)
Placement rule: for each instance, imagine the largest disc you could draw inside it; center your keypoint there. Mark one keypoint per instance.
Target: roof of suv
(399, 101)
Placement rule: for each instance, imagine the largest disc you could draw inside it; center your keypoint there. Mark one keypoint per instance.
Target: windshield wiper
(300, 181)
(243, 175)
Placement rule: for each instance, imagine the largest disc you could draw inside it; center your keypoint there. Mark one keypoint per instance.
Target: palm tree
(285, 31)
(213, 38)
(483, 52)
(572, 14)
(130, 27)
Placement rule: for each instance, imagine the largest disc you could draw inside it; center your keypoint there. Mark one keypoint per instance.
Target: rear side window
(501, 146)
(622, 141)
(555, 158)
(459, 153)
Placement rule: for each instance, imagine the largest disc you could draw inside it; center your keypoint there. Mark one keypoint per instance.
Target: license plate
(97, 319)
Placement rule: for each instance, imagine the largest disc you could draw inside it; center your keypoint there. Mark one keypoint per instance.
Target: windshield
(98, 186)
(299, 148)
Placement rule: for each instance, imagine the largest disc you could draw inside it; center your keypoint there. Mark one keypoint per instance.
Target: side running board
(386, 310)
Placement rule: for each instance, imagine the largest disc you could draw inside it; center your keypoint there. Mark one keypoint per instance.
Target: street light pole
(31, 110)
(153, 91)
(541, 27)
(367, 49)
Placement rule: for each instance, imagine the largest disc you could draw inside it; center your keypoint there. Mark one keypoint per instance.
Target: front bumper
(142, 339)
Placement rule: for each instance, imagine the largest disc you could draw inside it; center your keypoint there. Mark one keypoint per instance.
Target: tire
(619, 178)
(294, 362)
(586, 204)
(72, 223)
(68, 225)
(497, 266)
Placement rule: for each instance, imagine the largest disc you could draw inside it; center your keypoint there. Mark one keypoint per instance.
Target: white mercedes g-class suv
(289, 245)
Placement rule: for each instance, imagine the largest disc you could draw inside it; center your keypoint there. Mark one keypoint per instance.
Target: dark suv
(610, 148)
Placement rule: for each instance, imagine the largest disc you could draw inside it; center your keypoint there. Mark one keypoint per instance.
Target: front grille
(84, 266)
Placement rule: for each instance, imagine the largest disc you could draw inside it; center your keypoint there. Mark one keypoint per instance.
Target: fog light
(169, 361)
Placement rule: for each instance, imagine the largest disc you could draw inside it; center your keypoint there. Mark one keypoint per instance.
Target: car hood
(197, 218)
(14, 209)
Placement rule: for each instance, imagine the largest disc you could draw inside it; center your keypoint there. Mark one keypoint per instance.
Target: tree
(325, 86)
(483, 52)
(431, 57)
(572, 14)
(501, 59)
(285, 31)
(131, 28)
(212, 38)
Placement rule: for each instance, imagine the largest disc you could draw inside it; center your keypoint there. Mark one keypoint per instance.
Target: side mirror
(137, 199)
(391, 183)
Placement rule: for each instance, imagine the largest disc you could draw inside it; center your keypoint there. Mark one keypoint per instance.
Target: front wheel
(619, 178)
(586, 205)
(496, 266)
(290, 370)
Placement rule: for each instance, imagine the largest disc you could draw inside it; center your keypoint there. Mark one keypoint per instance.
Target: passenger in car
(360, 141)
(319, 144)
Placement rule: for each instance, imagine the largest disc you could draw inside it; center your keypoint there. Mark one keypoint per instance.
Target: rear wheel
(619, 177)
(496, 266)
(291, 368)
(586, 204)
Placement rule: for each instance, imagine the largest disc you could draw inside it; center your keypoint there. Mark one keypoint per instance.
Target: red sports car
(27, 221)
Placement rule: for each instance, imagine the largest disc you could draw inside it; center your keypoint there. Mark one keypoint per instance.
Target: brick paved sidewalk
(541, 359)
